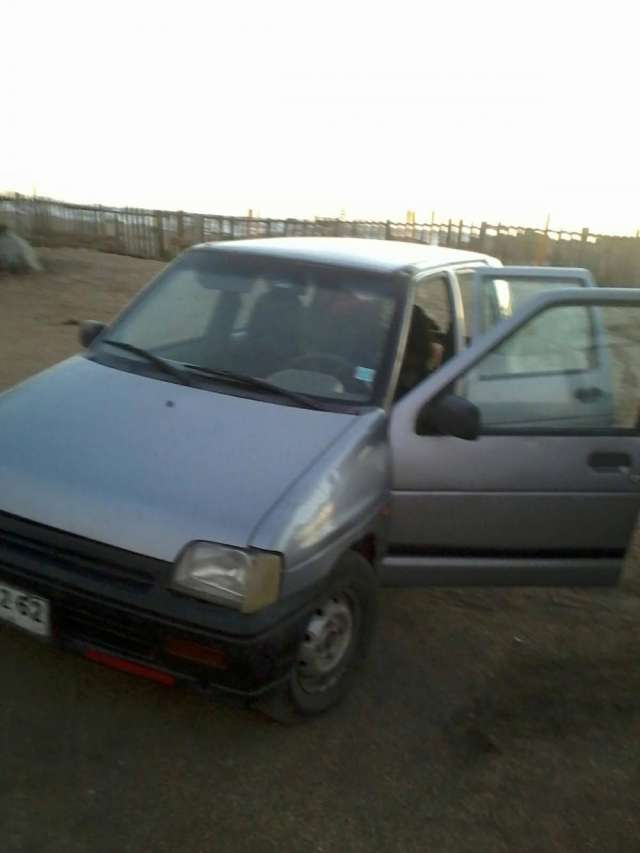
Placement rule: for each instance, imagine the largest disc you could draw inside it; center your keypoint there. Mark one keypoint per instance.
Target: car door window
(573, 368)
(488, 299)
(493, 305)
(465, 283)
(433, 297)
(430, 337)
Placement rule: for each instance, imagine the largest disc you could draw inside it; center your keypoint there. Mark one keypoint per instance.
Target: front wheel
(336, 640)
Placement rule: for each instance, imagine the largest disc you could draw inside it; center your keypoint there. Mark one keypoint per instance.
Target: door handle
(588, 395)
(605, 462)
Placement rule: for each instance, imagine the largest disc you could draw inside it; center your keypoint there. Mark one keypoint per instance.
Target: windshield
(321, 331)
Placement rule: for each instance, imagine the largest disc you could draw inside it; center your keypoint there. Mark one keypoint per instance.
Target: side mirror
(450, 415)
(89, 331)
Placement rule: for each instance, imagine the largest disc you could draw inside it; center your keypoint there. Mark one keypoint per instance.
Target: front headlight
(246, 580)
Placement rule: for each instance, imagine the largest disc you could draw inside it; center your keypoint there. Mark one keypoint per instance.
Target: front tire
(335, 642)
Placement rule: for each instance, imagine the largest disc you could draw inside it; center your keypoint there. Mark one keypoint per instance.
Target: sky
(491, 111)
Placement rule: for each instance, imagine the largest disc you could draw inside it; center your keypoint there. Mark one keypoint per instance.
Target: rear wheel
(336, 639)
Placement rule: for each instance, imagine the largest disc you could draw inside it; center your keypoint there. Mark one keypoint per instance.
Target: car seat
(273, 331)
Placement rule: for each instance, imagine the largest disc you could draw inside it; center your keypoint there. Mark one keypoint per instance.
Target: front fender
(340, 499)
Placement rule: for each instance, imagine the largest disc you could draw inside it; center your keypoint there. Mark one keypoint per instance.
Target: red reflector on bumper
(196, 652)
(130, 667)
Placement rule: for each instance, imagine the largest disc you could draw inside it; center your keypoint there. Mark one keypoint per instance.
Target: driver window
(430, 338)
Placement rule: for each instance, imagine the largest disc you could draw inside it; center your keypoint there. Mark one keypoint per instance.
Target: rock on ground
(16, 255)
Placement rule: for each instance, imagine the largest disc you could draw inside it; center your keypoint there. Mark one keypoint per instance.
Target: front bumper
(111, 605)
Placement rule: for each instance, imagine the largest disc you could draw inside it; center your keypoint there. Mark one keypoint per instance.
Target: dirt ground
(485, 721)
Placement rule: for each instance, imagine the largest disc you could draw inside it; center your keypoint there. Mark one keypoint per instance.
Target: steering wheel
(324, 362)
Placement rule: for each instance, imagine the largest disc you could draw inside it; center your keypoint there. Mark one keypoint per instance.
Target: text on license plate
(24, 610)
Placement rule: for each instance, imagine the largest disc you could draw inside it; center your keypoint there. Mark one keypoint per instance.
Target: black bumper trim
(80, 620)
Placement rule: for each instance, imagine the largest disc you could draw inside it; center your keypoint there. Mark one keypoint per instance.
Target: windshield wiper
(157, 360)
(256, 382)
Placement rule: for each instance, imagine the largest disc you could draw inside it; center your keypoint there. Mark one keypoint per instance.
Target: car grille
(113, 630)
(26, 545)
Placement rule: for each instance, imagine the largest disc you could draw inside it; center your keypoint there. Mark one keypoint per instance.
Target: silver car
(212, 492)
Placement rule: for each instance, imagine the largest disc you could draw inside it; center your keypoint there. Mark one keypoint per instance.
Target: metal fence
(162, 234)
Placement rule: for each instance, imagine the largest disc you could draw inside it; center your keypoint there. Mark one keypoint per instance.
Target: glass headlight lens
(246, 580)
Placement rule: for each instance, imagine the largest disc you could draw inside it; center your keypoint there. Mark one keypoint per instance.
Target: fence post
(449, 233)
(160, 234)
(584, 239)
(542, 246)
(180, 229)
(483, 235)
(139, 228)
(387, 230)
(133, 231)
(126, 233)
(117, 231)
(460, 225)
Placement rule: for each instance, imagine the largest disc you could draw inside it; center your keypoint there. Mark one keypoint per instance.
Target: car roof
(376, 255)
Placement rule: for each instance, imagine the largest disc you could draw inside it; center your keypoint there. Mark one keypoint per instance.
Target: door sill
(405, 570)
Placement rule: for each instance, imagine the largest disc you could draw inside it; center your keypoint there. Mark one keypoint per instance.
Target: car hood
(148, 465)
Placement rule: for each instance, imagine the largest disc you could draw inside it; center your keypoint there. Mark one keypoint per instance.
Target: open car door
(548, 489)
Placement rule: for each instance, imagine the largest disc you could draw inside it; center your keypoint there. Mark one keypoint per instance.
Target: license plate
(24, 610)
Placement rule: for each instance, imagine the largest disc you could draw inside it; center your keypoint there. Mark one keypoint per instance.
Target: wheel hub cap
(327, 638)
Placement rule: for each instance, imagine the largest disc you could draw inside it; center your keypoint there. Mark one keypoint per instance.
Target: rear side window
(499, 298)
